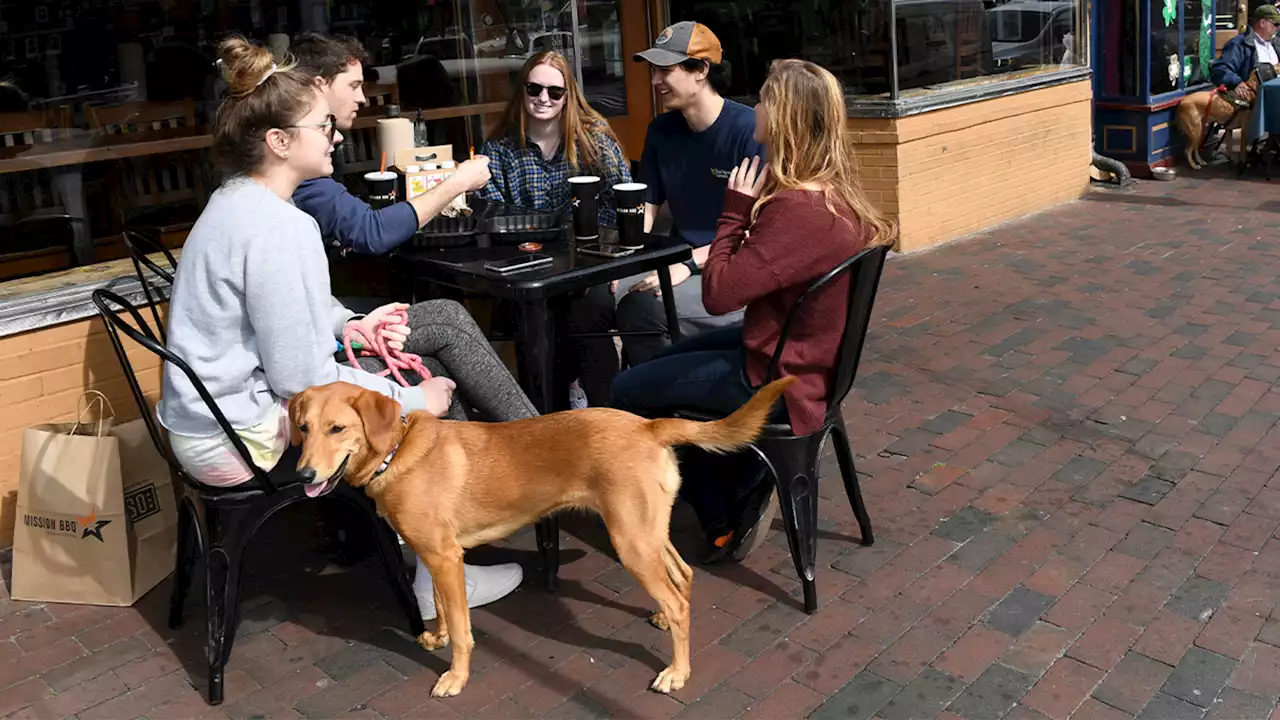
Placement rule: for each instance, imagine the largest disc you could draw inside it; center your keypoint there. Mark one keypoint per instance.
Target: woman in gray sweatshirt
(252, 312)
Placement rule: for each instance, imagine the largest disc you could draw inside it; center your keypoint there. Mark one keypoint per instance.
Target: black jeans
(705, 373)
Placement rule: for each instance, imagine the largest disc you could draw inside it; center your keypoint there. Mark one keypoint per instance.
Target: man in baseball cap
(688, 153)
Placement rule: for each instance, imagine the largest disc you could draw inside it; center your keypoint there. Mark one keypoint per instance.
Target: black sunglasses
(327, 127)
(533, 90)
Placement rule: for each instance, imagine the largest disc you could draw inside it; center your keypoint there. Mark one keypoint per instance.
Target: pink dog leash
(395, 360)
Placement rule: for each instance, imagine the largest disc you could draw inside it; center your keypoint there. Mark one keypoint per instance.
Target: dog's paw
(449, 684)
(670, 680)
(433, 641)
(659, 620)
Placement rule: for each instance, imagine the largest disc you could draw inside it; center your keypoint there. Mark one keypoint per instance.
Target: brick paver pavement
(1069, 433)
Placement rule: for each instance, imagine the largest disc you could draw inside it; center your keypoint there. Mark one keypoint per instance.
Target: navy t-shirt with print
(690, 171)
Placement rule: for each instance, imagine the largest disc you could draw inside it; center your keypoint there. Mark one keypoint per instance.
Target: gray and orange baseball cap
(683, 41)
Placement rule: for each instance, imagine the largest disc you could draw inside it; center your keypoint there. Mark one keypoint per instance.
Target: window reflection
(105, 105)
(939, 42)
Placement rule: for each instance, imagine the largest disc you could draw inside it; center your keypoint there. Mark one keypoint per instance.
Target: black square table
(533, 292)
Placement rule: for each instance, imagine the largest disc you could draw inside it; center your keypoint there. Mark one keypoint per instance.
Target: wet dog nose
(307, 475)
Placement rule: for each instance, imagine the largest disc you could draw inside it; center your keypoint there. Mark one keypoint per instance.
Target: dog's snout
(307, 475)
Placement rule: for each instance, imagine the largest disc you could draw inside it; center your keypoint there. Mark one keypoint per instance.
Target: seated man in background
(1244, 52)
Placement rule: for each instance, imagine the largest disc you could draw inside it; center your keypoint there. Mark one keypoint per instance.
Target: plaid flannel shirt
(521, 176)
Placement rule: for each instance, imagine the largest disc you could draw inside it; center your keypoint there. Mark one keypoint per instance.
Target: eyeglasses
(554, 92)
(327, 127)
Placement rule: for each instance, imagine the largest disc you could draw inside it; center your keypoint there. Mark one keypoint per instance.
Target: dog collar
(386, 462)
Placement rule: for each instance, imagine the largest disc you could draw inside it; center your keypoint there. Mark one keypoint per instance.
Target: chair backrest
(382, 94)
(33, 127)
(158, 285)
(155, 179)
(141, 116)
(25, 194)
(864, 270)
(110, 305)
(360, 151)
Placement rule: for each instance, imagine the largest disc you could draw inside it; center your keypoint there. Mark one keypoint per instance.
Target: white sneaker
(484, 585)
(577, 398)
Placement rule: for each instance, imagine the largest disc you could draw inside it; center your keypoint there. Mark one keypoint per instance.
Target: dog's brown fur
(456, 485)
(1211, 104)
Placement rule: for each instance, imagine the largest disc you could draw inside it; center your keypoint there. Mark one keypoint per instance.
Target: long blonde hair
(578, 121)
(808, 144)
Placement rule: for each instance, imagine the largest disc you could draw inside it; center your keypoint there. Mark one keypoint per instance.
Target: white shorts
(214, 461)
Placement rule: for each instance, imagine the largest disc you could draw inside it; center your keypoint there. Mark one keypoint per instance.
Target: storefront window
(105, 105)
(601, 60)
(939, 44)
(1182, 43)
(848, 37)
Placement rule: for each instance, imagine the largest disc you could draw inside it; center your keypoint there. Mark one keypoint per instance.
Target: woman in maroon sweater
(783, 226)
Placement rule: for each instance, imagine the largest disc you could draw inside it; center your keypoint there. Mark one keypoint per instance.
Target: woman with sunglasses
(550, 134)
(253, 316)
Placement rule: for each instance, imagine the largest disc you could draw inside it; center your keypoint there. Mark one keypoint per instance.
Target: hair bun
(244, 65)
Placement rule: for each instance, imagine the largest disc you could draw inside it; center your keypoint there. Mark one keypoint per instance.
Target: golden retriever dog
(1197, 109)
(446, 486)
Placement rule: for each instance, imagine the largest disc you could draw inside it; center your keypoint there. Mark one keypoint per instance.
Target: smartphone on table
(522, 262)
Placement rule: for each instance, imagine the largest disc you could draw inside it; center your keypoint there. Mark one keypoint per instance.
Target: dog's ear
(380, 414)
(297, 405)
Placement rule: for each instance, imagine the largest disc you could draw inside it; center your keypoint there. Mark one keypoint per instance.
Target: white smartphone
(522, 262)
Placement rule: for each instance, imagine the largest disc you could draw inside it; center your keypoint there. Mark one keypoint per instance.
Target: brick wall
(949, 173)
(42, 376)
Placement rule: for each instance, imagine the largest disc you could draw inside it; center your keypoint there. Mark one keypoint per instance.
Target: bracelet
(693, 266)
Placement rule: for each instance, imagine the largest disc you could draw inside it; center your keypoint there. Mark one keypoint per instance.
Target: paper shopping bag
(96, 514)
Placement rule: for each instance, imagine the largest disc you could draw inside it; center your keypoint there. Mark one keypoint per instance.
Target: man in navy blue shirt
(337, 64)
(689, 151)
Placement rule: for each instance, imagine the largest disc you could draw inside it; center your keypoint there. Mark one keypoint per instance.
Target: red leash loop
(395, 360)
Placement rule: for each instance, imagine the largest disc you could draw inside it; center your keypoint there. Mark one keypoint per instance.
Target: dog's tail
(723, 436)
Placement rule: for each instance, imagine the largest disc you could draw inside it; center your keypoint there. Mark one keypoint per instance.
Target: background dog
(446, 486)
(1196, 110)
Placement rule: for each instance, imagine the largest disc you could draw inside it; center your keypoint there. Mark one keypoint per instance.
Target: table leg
(535, 351)
(70, 183)
(669, 302)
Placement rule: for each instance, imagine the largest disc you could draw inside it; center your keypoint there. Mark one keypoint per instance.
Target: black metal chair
(215, 524)
(141, 247)
(793, 460)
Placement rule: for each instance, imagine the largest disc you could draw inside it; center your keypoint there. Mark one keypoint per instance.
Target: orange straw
(384, 162)
(473, 151)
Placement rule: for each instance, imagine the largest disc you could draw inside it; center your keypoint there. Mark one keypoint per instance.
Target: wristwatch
(693, 266)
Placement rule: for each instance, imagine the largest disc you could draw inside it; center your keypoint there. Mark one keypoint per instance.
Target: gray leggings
(452, 346)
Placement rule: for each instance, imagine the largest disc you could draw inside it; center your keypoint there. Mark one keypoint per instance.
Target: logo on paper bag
(141, 502)
(91, 526)
(83, 526)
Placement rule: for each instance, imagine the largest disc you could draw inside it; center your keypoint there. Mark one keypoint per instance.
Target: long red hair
(578, 120)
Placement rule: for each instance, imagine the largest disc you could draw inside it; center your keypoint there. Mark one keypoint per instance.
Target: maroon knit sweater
(765, 267)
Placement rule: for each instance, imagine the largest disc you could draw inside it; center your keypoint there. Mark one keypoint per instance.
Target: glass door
(610, 32)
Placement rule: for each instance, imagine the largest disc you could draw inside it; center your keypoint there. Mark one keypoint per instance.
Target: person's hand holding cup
(473, 174)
